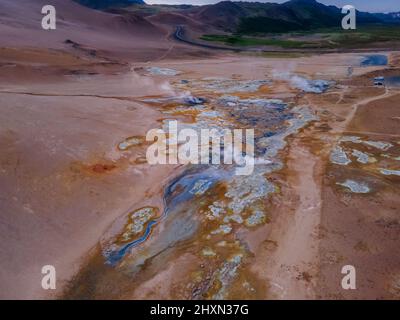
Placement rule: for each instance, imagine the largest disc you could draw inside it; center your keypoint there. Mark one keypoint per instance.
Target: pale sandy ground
(63, 112)
(300, 254)
(55, 128)
(52, 205)
(49, 130)
(293, 268)
(297, 234)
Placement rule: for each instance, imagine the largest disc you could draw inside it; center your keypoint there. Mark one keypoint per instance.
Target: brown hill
(117, 33)
(172, 19)
(224, 15)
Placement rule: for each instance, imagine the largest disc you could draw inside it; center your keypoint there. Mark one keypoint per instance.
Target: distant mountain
(392, 17)
(105, 4)
(245, 17)
(290, 16)
(395, 15)
(256, 17)
(224, 15)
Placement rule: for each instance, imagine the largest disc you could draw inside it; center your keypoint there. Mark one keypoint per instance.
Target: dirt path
(343, 125)
(293, 265)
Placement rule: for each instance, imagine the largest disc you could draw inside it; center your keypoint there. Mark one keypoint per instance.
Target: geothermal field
(77, 191)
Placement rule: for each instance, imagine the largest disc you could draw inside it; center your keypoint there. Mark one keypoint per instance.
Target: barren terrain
(74, 176)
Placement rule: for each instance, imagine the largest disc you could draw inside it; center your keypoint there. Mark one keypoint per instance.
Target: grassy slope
(326, 38)
(237, 40)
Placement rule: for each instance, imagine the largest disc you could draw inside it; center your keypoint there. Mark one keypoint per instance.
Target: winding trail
(179, 35)
(293, 266)
(343, 125)
(292, 269)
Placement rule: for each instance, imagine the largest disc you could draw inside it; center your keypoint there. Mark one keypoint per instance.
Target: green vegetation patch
(323, 38)
(235, 40)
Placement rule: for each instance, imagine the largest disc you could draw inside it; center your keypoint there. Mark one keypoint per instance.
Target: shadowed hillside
(104, 4)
